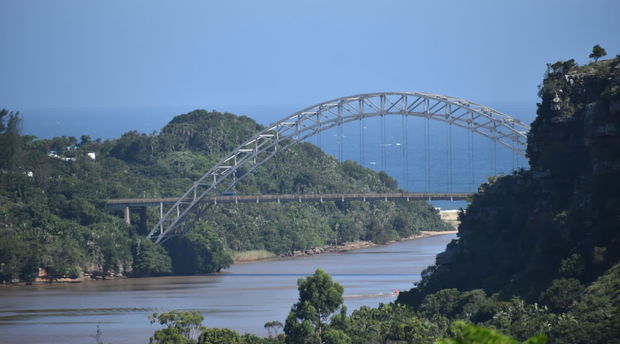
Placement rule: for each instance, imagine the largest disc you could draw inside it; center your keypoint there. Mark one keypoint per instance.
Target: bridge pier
(141, 212)
(127, 215)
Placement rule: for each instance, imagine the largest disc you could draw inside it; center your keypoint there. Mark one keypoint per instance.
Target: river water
(243, 297)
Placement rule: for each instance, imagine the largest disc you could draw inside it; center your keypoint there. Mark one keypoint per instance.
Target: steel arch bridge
(308, 122)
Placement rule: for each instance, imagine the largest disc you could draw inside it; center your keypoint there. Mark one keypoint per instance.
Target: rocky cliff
(559, 220)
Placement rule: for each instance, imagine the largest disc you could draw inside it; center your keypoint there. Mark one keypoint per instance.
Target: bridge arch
(279, 136)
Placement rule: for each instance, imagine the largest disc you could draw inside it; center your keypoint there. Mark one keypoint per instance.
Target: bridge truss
(243, 160)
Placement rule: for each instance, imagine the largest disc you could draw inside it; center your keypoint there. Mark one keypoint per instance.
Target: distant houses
(54, 154)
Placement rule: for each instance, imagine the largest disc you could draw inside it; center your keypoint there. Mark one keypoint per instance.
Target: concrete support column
(127, 213)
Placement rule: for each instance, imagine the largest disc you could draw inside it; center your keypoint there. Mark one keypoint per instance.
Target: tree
(220, 336)
(200, 250)
(272, 328)
(465, 333)
(150, 258)
(10, 138)
(522, 320)
(85, 139)
(319, 297)
(389, 323)
(336, 337)
(597, 52)
(410, 330)
(181, 327)
(562, 294)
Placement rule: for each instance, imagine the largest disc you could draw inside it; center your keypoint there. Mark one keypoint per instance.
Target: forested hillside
(53, 192)
(551, 235)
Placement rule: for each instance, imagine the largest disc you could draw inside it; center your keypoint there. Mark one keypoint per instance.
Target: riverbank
(244, 257)
(243, 297)
(253, 256)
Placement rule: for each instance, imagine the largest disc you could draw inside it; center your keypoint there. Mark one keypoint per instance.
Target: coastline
(348, 246)
(345, 247)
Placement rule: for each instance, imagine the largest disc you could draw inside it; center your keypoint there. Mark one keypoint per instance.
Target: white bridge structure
(255, 151)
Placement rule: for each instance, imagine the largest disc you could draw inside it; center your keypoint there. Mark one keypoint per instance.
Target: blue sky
(245, 54)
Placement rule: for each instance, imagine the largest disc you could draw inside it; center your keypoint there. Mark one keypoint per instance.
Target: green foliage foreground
(465, 333)
(315, 319)
(181, 327)
(446, 317)
(319, 297)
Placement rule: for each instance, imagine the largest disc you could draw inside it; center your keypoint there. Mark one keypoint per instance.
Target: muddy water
(243, 297)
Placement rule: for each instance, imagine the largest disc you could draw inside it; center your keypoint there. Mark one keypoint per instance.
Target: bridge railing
(142, 203)
(145, 202)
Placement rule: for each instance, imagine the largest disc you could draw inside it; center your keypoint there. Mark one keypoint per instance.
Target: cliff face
(574, 145)
(561, 219)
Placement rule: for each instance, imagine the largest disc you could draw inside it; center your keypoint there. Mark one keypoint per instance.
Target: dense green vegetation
(321, 317)
(53, 214)
(537, 254)
(548, 236)
(180, 327)
(319, 297)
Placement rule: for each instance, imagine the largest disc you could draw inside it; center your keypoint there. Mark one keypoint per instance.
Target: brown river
(243, 297)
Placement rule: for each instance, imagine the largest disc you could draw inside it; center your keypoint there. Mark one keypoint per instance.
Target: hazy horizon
(76, 54)
(112, 122)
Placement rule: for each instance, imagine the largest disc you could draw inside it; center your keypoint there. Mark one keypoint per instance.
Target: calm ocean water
(401, 154)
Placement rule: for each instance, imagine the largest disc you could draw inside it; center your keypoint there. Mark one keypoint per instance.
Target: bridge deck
(150, 202)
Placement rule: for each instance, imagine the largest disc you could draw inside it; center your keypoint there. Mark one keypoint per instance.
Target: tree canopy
(181, 327)
(319, 298)
(597, 52)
